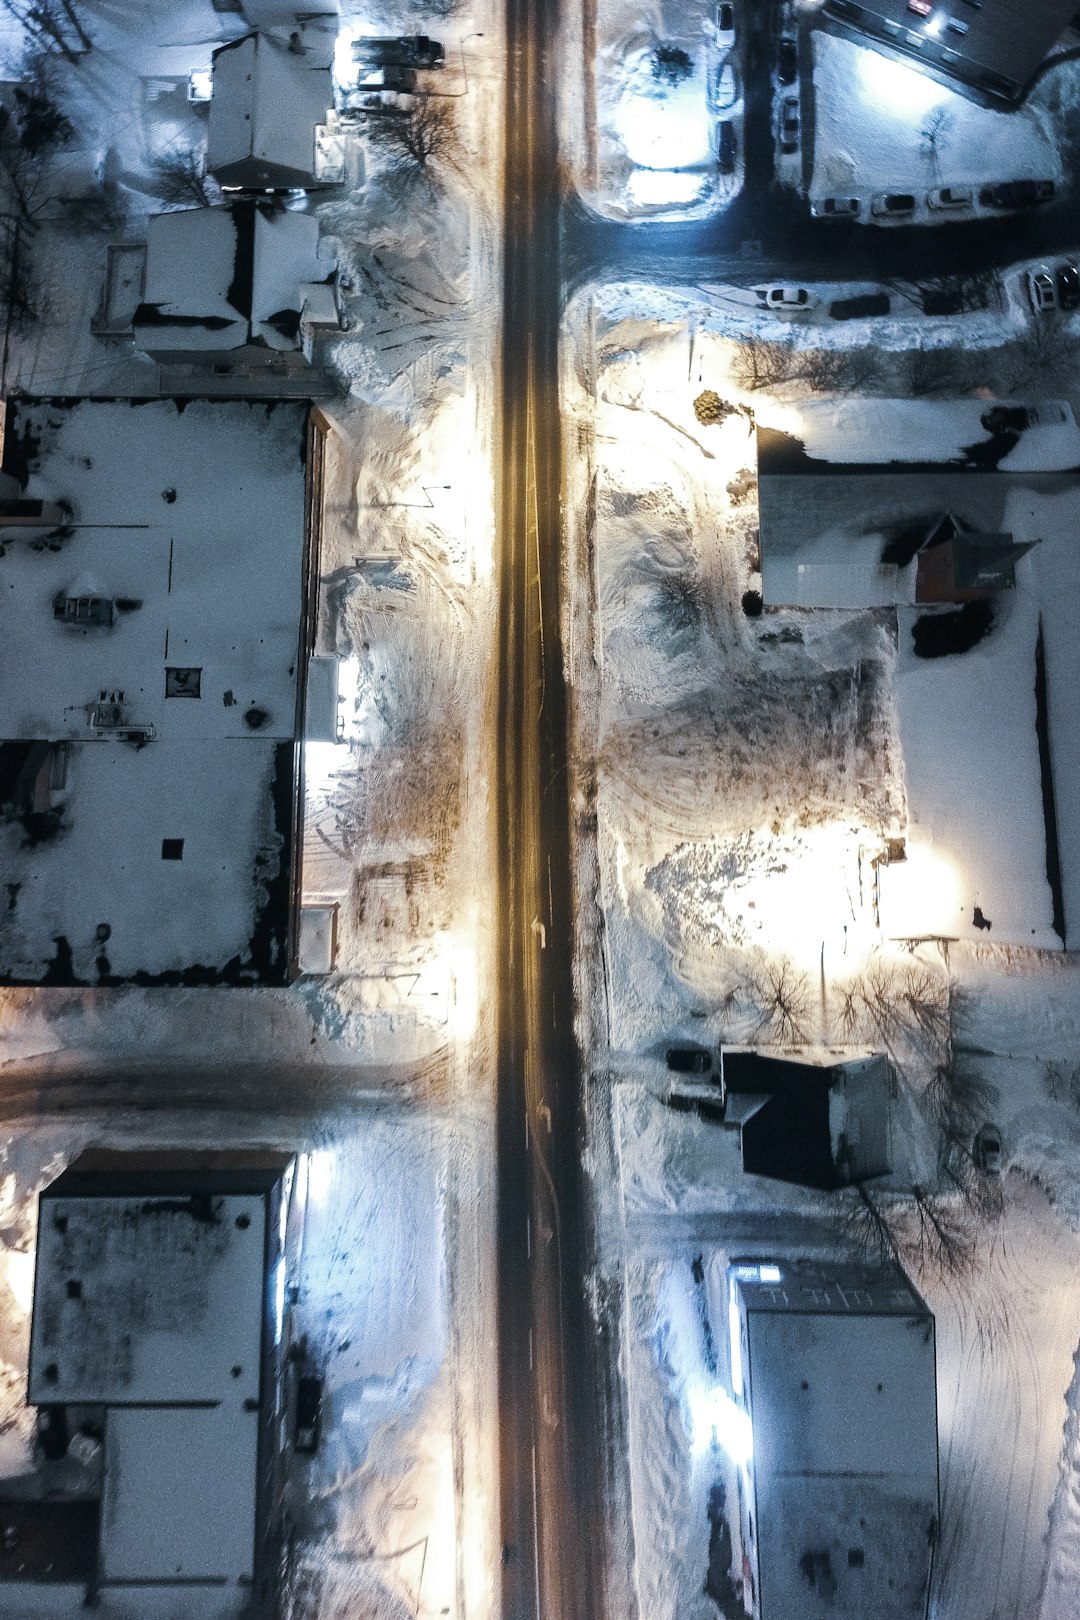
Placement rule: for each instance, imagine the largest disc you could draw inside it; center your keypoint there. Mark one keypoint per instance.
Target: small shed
(818, 1124)
(266, 105)
(156, 1299)
(836, 1368)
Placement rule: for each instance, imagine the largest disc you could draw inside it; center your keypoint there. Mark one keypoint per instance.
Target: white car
(835, 208)
(1042, 290)
(950, 197)
(783, 297)
(726, 92)
(724, 25)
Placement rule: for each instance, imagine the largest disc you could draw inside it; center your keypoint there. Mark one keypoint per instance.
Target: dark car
(1068, 286)
(1017, 193)
(893, 204)
(689, 1060)
(727, 149)
(406, 51)
(787, 62)
(986, 1150)
(308, 1426)
(387, 78)
(855, 309)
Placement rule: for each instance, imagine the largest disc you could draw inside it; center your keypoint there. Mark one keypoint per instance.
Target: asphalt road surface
(553, 1554)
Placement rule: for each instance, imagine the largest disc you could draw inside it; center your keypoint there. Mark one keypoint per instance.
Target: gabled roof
(217, 278)
(266, 104)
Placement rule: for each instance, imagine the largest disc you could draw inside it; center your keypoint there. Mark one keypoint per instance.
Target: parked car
(308, 1425)
(1042, 290)
(725, 25)
(387, 78)
(1017, 193)
(789, 124)
(726, 90)
(835, 208)
(950, 197)
(408, 51)
(892, 204)
(689, 1060)
(986, 1150)
(859, 307)
(1068, 286)
(787, 61)
(783, 296)
(727, 148)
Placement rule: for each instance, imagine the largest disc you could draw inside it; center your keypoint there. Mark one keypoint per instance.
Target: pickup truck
(407, 51)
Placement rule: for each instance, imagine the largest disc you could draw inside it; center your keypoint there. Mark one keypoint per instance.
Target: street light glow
(901, 89)
(715, 1419)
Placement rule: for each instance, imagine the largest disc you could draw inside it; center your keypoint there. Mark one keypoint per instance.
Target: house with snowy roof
(152, 690)
(234, 288)
(957, 517)
(835, 1369)
(823, 1124)
(156, 1361)
(267, 104)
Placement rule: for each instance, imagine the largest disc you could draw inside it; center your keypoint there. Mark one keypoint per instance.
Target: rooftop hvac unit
(83, 612)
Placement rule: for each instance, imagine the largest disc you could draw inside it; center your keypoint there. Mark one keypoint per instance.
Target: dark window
(172, 849)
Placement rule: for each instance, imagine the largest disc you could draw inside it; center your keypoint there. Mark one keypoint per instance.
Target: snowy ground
(642, 131)
(877, 125)
(734, 776)
(383, 1068)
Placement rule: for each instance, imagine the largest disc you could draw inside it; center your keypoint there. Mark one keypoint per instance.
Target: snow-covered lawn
(882, 126)
(642, 125)
(736, 778)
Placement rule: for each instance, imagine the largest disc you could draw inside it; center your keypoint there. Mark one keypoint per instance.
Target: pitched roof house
(266, 105)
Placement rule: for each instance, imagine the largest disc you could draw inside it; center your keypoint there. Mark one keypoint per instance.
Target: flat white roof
(141, 1299)
(178, 1502)
(844, 1413)
(190, 522)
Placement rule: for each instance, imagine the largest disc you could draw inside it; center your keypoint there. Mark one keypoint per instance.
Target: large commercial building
(989, 49)
(835, 1368)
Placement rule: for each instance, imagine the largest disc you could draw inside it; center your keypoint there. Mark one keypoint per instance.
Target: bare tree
(52, 24)
(757, 363)
(836, 371)
(1045, 358)
(933, 137)
(180, 178)
(922, 1230)
(781, 999)
(910, 1003)
(937, 371)
(415, 140)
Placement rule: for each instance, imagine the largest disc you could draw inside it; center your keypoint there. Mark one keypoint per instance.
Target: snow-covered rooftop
(219, 278)
(163, 821)
(150, 1299)
(266, 104)
(843, 1403)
